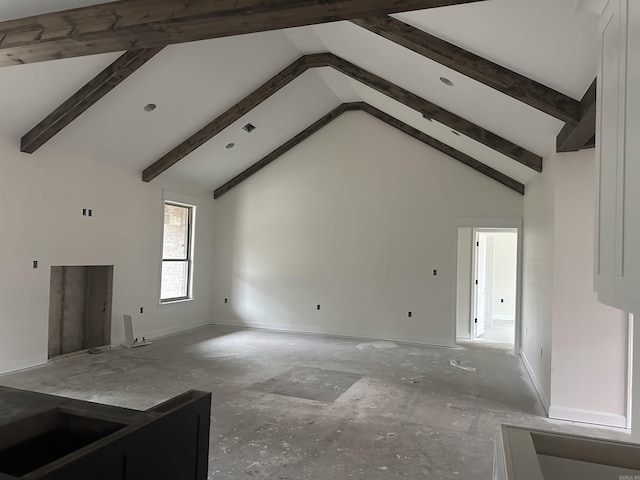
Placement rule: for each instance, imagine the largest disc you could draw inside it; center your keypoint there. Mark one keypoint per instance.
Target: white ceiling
(547, 40)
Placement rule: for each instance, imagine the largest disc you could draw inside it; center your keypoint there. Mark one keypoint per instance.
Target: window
(176, 252)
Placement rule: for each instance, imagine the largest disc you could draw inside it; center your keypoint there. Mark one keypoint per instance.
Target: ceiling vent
(249, 128)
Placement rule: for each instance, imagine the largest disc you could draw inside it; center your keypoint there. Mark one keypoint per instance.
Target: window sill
(172, 302)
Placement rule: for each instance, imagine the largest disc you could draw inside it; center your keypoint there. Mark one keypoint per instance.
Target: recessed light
(150, 107)
(249, 128)
(446, 81)
(455, 133)
(427, 116)
(229, 146)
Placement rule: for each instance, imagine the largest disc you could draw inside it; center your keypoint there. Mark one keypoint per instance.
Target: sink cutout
(35, 441)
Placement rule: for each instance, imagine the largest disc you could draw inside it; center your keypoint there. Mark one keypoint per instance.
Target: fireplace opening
(79, 308)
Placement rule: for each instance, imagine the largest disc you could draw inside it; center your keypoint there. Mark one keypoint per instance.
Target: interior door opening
(487, 286)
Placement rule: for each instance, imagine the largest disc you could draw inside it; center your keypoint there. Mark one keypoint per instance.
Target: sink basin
(32, 442)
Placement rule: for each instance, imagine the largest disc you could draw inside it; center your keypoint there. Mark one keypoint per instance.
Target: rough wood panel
(135, 24)
(491, 74)
(446, 149)
(576, 136)
(234, 113)
(301, 137)
(86, 97)
(439, 114)
(345, 107)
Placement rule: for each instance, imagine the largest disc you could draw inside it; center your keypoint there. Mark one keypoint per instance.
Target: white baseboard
(277, 327)
(22, 364)
(588, 416)
(165, 332)
(536, 383)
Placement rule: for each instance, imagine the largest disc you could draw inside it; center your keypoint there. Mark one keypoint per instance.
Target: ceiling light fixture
(229, 146)
(150, 107)
(446, 81)
(455, 133)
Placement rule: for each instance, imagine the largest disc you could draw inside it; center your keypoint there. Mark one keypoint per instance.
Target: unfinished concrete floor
(289, 406)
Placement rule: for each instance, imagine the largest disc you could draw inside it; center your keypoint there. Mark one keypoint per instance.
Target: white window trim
(187, 201)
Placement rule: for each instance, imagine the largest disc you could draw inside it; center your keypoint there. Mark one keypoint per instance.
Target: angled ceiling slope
(388, 119)
(306, 62)
(123, 25)
(86, 97)
(473, 66)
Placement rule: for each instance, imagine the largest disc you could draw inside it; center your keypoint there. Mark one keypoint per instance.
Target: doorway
(79, 308)
(487, 285)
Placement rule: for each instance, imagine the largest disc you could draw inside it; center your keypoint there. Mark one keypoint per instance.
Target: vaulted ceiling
(284, 81)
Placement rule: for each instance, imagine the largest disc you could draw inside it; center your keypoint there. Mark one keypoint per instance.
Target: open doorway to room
(79, 308)
(487, 285)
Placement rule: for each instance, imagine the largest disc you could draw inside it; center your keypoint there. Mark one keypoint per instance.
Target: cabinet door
(628, 267)
(608, 112)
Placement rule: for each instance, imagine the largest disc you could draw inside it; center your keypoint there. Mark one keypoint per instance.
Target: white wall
(355, 219)
(42, 197)
(574, 347)
(537, 280)
(589, 356)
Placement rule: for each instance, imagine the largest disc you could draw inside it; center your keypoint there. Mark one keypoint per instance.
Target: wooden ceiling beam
(576, 136)
(86, 97)
(435, 112)
(446, 149)
(346, 107)
(510, 83)
(234, 113)
(299, 138)
(304, 63)
(134, 24)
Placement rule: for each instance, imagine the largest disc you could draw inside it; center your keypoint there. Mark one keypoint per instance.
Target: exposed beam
(299, 138)
(234, 113)
(329, 60)
(491, 74)
(86, 97)
(345, 107)
(134, 24)
(446, 149)
(437, 113)
(574, 137)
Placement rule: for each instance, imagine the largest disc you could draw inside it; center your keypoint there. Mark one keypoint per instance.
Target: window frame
(191, 209)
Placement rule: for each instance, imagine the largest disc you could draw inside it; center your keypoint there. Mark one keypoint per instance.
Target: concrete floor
(400, 411)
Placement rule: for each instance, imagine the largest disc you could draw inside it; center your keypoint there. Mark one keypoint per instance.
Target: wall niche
(79, 308)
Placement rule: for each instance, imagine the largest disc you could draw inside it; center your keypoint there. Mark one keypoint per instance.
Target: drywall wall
(589, 339)
(574, 348)
(355, 220)
(505, 253)
(41, 219)
(537, 280)
(463, 295)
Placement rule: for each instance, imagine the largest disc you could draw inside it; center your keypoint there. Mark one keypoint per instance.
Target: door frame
(492, 224)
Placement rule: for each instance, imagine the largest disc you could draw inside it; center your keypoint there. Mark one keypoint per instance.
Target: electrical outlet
(435, 273)
(410, 314)
(226, 300)
(84, 212)
(90, 212)
(502, 300)
(35, 264)
(317, 307)
(141, 309)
